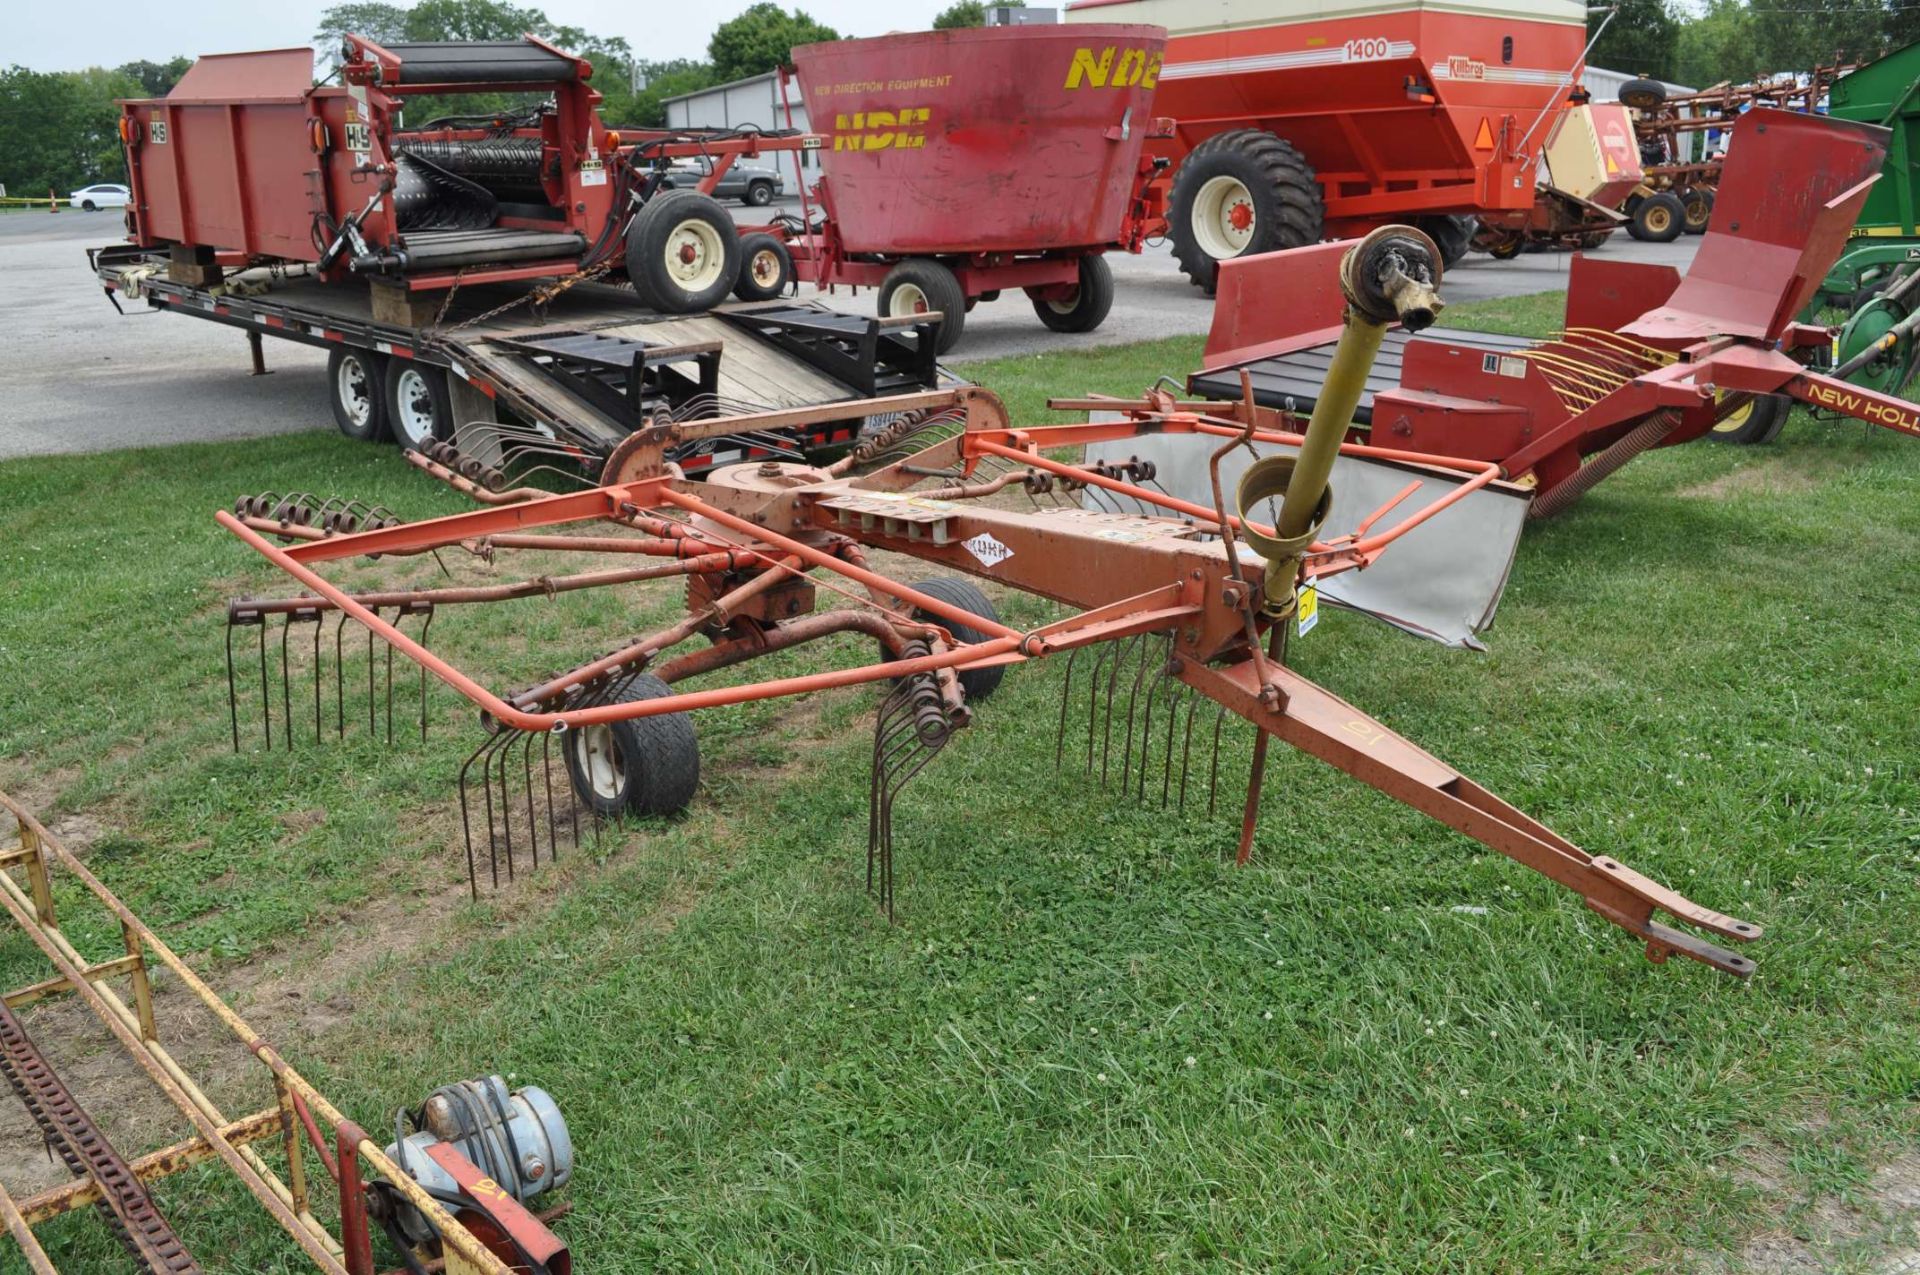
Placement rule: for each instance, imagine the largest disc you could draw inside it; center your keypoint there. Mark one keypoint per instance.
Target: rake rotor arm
(1322, 725)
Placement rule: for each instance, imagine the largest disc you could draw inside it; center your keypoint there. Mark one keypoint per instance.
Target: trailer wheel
(961, 592)
(922, 286)
(1087, 308)
(419, 409)
(1240, 193)
(356, 387)
(1643, 95)
(642, 766)
(1657, 218)
(1760, 420)
(683, 253)
(766, 268)
(1696, 203)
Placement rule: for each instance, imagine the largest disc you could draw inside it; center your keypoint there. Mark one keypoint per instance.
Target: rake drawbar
(1173, 606)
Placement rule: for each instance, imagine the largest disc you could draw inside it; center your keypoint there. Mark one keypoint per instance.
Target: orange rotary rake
(1180, 611)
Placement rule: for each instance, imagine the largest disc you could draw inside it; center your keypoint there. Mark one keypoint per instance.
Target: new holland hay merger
(1299, 122)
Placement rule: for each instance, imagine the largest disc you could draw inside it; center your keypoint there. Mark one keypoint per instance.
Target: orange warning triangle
(1483, 140)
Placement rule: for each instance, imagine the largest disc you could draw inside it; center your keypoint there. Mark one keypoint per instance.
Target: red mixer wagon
(963, 163)
(1296, 123)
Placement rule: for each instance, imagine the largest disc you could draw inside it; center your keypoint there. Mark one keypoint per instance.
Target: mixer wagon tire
(961, 592)
(1239, 193)
(356, 388)
(1453, 236)
(1643, 95)
(1658, 218)
(921, 286)
(419, 408)
(1697, 203)
(1087, 308)
(766, 269)
(1760, 421)
(683, 253)
(642, 766)
(759, 194)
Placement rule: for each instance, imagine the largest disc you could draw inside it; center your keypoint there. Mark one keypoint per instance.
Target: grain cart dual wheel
(1238, 194)
(683, 253)
(1657, 218)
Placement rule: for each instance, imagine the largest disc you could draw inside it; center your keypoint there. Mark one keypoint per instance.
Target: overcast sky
(55, 35)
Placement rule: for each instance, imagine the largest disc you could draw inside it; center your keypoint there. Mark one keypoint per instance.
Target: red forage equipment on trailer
(962, 163)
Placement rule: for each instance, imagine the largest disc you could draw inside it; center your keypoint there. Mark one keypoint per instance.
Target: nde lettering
(1113, 68)
(878, 130)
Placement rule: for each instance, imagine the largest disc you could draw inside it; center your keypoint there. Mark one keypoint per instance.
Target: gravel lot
(77, 377)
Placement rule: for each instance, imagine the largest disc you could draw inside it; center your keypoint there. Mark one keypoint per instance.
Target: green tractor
(1876, 281)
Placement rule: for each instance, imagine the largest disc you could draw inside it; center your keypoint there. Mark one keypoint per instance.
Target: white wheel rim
(1223, 217)
(1067, 306)
(765, 268)
(414, 419)
(356, 394)
(908, 298)
(601, 764)
(695, 255)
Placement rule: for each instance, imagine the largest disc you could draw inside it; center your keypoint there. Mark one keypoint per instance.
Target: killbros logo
(904, 129)
(1113, 68)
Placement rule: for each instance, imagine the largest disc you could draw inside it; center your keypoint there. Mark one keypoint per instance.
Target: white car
(104, 195)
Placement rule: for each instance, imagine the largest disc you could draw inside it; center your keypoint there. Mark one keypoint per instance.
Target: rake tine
(1113, 682)
(546, 771)
(526, 769)
(506, 806)
(340, 676)
(425, 628)
(1213, 780)
(266, 696)
(233, 703)
(1093, 696)
(1066, 699)
(466, 821)
(286, 683)
(371, 727)
(1133, 696)
(1178, 693)
(316, 679)
(389, 646)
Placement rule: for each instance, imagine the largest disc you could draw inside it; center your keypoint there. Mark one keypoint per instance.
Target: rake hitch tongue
(1174, 607)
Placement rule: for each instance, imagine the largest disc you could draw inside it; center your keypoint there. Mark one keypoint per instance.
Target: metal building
(754, 101)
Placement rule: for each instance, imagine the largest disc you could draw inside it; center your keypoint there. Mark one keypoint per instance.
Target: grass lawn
(1089, 1043)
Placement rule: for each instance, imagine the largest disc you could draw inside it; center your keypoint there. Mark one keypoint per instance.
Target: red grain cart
(1297, 123)
(963, 163)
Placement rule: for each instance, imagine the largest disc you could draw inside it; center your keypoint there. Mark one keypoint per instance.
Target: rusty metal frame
(301, 1118)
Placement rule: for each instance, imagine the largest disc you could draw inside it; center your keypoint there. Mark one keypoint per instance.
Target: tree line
(58, 129)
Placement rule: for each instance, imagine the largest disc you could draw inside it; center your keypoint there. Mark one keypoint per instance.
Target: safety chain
(540, 297)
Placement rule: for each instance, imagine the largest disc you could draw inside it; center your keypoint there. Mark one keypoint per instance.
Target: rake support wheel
(643, 766)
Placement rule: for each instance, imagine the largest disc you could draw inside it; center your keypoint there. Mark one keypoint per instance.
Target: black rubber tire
(647, 243)
(1453, 236)
(426, 386)
(1288, 209)
(87, 205)
(1762, 425)
(938, 286)
(759, 194)
(1091, 301)
(1594, 239)
(1659, 218)
(370, 371)
(961, 592)
(762, 254)
(1696, 203)
(667, 773)
(1507, 249)
(1643, 95)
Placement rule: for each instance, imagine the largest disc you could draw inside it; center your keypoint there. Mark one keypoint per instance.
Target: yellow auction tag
(1307, 609)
